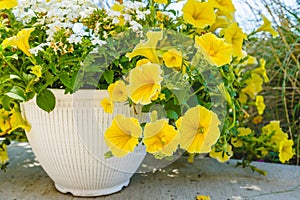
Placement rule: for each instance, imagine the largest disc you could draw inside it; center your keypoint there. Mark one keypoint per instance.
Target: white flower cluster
(129, 9)
(55, 15)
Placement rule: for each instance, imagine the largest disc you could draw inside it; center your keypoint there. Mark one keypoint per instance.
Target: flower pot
(68, 142)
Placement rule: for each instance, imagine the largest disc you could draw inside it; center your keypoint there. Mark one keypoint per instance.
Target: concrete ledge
(25, 179)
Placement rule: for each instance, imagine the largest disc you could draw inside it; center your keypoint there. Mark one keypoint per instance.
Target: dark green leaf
(171, 114)
(109, 76)
(46, 100)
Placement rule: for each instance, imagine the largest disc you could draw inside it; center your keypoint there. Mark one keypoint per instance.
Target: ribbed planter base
(68, 142)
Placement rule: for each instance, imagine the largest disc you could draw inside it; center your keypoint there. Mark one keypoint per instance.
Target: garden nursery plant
(187, 68)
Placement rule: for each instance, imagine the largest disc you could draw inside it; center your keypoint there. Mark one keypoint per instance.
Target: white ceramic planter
(68, 142)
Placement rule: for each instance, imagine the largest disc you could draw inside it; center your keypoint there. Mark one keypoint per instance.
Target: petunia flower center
(201, 130)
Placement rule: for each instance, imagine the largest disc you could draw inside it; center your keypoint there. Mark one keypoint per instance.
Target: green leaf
(108, 155)
(171, 114)
(46, 100)
(17, 93)
(6, 78)
(109, 76)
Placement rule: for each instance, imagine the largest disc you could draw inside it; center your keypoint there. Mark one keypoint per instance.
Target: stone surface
(25, 180)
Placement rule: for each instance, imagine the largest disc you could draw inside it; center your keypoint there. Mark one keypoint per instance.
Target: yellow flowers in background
(173, 58)
(215, 50)
(267, 26)
(20, 41)
(260, 105)
(224, 155)
(122, 136)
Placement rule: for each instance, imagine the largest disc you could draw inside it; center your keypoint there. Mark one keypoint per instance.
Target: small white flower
(135, 26)
(37, 49)
(79, 29)
(75, 39)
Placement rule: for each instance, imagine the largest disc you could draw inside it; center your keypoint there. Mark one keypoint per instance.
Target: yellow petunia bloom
(3, 154)
(107, 105)
(12, 120)
(224, 155)
(173, 58)
(201, 197)
(215, 50)
(36, 70)
(200, 14)
(257, 119)
(260, 105)
(267, 26)
(235, 36)
(243, 97)
(274, 128)
(117, 91)
(221, 22)
(161, 1)
(262, 70)
(286, 151)
(253, 85)
(144, 83)
(117, 7)
(198, 130)
(8, 4)
(20, 41)
(160, 138)
(142, 61)
(123, 135)
(148, 48)
(223, 5)
(235, 141)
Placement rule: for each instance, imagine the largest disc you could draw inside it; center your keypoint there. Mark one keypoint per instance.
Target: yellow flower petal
(122, 136)
(277, 134)
(260, 105)
(286, 150)
(20, 41)
(223, 5)
(142, 61)
(3, 154)
(161, 1)
(173, 58)
(8, 4)
(198, 130)
(267, 27)
(148, 48)
(215, 50)
(107, 105)
(160, 138)
(261, 70)
(117, 91)
(199, 14)
(253, 85)
(224, 155)
(37, 70)
(234, 35)
(144, 83)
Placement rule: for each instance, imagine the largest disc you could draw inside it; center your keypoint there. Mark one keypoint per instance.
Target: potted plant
(133, 78)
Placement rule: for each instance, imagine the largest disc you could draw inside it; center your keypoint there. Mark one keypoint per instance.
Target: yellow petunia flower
(286, 151)
(253, 85)
(234, 35)
(3, 154)
(12, 120)
(235, 141)
(123, 135)
(161, 1)
(8, 4)
(20, 41)
(144, 83)
(262, 70)
(160, 138)
(148, 48)
(224, 155)
(274, 128)
(243, 97)
(223, 5)
(221, 22)
(200, 14)
(215, 50)
(267, 27)
(260, 105)
(257, 119)
(117, 7)
(142, 61)
(173, 58)
(117, 91)
(198, 130)
(36, 70)
(107, 105)
(201, 197)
